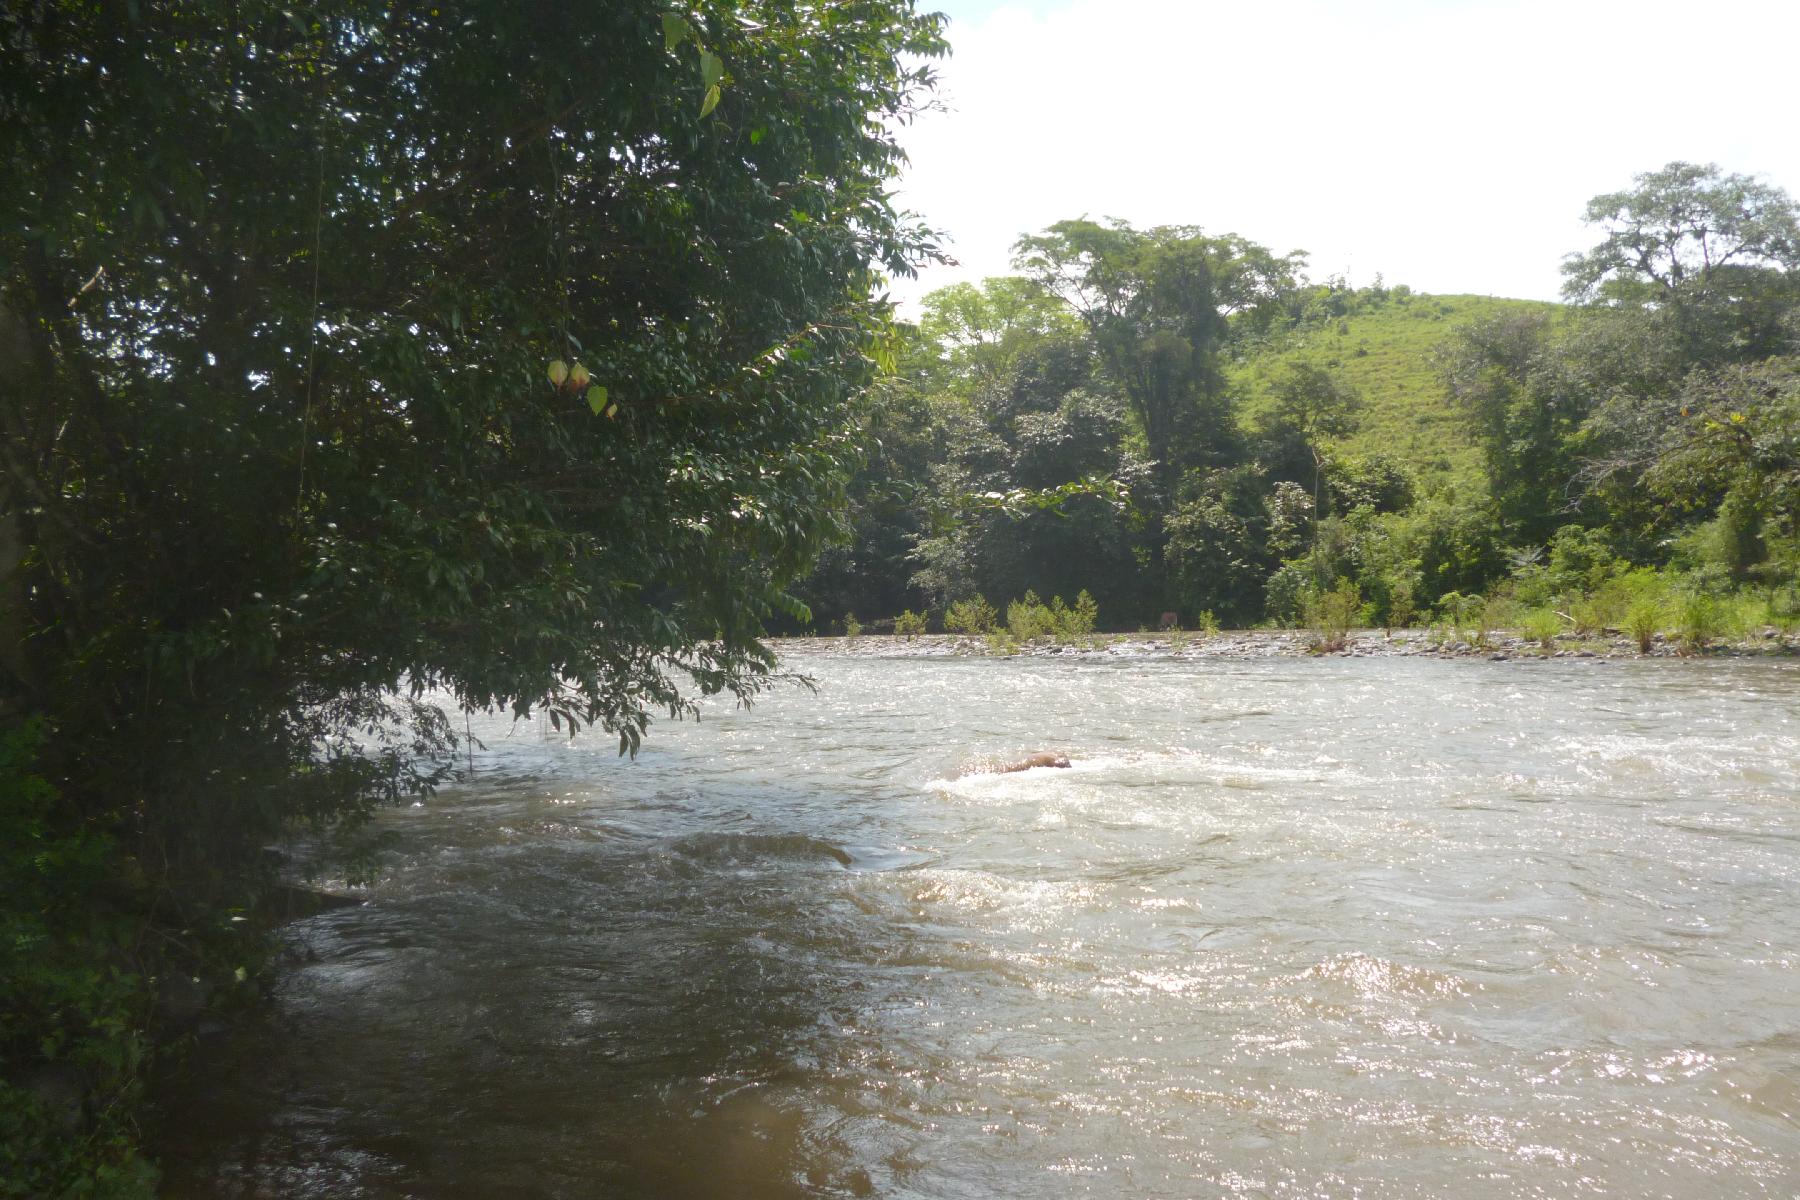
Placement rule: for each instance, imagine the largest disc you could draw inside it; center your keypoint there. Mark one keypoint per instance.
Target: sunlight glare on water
(1383, 928)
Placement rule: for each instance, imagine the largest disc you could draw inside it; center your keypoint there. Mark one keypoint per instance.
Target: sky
(1450, 145)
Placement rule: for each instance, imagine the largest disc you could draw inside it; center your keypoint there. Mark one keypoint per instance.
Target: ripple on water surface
(1384, 928)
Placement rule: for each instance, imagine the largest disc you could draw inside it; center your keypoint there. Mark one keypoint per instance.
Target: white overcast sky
(1446, 144)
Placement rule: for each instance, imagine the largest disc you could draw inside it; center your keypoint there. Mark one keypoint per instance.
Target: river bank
(1279, 643)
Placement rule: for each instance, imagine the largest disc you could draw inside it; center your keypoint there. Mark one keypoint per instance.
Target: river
(1286, 928)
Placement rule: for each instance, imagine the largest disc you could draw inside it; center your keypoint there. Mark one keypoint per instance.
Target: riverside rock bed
(1281, 643)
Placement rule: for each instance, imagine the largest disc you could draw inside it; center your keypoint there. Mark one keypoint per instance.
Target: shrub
(1460, 612)
(1085, 615)
(1207, 623)
(1284, 594)
(1741, 615)
(1784, 606)
(1581, 560)
(852, 627)
(1496, 612)
(72, 1012)
(1589, 614)
(1028, 618)
(1642, 621)
(1606, 607)
(1541, 625)
(1331, 615)
(910, 624)
(1697, 619)
(973, 617)
(1401, 608)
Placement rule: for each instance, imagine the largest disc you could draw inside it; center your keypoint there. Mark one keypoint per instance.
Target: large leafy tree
(354, 350)
(972, 335)
(1310, 406)
(1713, 255)
(1696, 281)
(283, 284)
(1162, 305)
(1511, 379)
(1680, 229)
(351, 353)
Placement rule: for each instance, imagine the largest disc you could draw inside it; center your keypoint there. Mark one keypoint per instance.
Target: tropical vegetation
(362, 362)
(1220, 435)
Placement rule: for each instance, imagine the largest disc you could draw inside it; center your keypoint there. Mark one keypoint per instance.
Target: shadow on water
(659, 1018)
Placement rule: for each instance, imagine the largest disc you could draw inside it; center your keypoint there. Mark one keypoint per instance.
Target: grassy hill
(1386, 352)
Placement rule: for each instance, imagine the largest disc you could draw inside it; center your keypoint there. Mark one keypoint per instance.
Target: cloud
(1449, 146)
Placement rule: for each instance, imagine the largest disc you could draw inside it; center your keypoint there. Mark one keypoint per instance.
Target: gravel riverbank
(1278, 643)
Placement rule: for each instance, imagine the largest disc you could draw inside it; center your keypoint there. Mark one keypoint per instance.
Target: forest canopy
(1281, 439)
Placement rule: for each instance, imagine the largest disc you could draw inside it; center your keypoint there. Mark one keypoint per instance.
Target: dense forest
(1177, 422)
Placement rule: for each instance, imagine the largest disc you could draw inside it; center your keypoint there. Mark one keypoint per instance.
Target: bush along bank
(1635, 612)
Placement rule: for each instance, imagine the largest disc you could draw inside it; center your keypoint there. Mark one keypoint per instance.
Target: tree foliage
(280, 427)
(973, 334)
(1680, 233)
(1512, 386)
(355, 353)
(1161, 306)
(1650, 423)
(1713, 257)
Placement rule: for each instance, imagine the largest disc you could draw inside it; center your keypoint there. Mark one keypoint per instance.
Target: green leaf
(596, 398)
(558, 371)
(612, 410)
(757, 135)
(712, 100)
(675, 30)
(711, 69)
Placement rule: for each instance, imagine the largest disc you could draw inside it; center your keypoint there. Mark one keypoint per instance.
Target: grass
(1541, 625)
(1643, 621)
(1388, 356)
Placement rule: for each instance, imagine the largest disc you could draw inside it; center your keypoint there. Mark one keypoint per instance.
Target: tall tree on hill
(1716, 254)
(1310, 407)
(1510, 378)
(1698, 274)
(1161, 306)
(971, 335)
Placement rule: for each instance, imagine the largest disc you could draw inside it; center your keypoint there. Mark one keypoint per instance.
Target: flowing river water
(1286, 928)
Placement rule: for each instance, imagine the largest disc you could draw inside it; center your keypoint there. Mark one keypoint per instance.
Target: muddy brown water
(1353, 927)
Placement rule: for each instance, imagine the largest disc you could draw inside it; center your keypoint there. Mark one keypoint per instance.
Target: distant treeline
(1176, 422)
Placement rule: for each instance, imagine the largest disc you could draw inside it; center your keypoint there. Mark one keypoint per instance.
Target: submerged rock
(1045, 758)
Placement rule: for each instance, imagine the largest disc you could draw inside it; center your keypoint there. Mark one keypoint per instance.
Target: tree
(1160, 305)
(1734, 445)
(356, 355)
(1509, 377)
(1680, 231)
(887, 509)
(1216, 556)
(1311, 405)
(1698, 276)
(1714, 253)
(972, 335)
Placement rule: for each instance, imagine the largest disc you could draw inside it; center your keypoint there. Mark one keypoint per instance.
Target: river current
(1287, 928)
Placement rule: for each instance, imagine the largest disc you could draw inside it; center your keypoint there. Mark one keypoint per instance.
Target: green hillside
(1387, 353)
